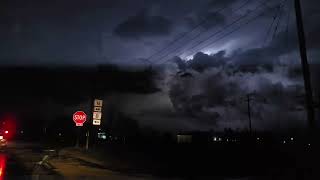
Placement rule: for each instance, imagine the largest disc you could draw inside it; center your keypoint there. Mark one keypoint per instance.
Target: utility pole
(305, 66)
(87, 139)
(252, 97)
(248, 98)
(249, 113)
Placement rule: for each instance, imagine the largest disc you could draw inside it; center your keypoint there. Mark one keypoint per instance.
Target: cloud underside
(209, 91)
(143, 25)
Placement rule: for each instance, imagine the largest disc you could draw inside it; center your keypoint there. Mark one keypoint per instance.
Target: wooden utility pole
(305, 66)
(249, 113)
(87, 139)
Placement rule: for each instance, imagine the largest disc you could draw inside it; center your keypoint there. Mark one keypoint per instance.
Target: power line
(226, 27)
(239, 27)
(277, 20)
(194, 37)
(271, 25)
(278, 23)
(181, 36)
(288, 24)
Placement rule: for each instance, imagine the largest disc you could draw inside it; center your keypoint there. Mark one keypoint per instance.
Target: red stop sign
(79, 118)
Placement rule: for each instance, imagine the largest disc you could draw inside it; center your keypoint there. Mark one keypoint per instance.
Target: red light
(6, 132)
(2, 166)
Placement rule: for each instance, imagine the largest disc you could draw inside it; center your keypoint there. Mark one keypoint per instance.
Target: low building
(184, 138)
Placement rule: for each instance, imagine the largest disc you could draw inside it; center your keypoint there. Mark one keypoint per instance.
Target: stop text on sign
(79, 117)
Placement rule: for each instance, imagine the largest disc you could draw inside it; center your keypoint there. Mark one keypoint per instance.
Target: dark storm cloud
(218, 94)
(143, 24)
(71, 31)
(214, 93)
(203, 61)
(311, 15)
(219, 3)
(75, 31)
(182, 65)
(283, 43)
(255, 56)
(214, 18)
(212, 14)
(314, 41)
(312, 29)
(206, 19)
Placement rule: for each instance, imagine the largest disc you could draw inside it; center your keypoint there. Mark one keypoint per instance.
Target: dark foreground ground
(10, 166)
(13, 167)
(255, 161)
(169, 161)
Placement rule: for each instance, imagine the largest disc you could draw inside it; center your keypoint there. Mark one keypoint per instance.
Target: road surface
(18, 161)
(21, 161)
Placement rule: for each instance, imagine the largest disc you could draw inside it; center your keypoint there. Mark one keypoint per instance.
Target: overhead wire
(271, 26)
(234, 30)
(262, 3)
(185, 34)
(199, 34)
(278, 22)
(288, 24)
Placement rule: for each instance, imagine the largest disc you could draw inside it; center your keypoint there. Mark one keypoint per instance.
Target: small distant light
(6, 132)
(21, 132)
(220, 139)
(291, 139)
(258, 139)
(59, 134)
(284, 142)
(309, 144)
(227, 140)
(99, 129)
(215, 139)
(1, 137)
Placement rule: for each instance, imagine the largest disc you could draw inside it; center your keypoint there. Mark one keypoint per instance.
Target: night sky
(224, 67)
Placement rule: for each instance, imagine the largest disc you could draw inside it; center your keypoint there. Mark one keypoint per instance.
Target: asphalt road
(19, 162)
